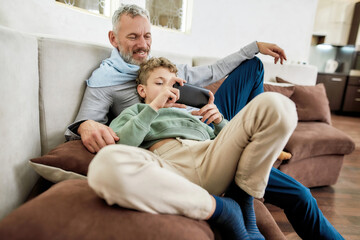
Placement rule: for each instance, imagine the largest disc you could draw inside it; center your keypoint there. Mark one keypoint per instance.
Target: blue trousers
(300, 207)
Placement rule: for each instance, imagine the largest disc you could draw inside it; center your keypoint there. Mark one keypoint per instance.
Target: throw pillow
(280, 80)
(69, 160)
(311, 102)
(71, 210)
(285, 89)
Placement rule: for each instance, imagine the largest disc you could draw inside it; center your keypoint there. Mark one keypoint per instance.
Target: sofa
(44, 192)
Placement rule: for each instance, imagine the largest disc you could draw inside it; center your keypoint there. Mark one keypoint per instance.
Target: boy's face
(158, 80)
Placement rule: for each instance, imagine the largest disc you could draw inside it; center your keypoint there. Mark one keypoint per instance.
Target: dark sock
(228, 217)
(246, 203)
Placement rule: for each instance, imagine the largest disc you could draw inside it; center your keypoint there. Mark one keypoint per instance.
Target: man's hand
(209, 112)
(272, 50)
(95, 135)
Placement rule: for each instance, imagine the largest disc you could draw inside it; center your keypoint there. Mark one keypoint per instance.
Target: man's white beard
(128, 58)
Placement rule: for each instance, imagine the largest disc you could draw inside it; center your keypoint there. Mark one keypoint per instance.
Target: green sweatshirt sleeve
(133, 124)
(219, 126)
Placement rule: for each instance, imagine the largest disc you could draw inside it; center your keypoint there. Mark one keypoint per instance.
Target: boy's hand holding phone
(209, 112)
(168, 97)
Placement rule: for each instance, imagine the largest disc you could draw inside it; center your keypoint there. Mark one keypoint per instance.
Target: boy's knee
(282, 107)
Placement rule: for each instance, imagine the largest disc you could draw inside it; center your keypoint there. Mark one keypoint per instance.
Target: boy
(241, 155)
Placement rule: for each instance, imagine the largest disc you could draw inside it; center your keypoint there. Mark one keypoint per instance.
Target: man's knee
(251, 64)
(255, 62)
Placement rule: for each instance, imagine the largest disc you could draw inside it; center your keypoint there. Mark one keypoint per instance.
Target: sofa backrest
(63, 68)
(19, 117)
(294, 73)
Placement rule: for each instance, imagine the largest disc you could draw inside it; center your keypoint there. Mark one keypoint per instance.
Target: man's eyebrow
(136, 34)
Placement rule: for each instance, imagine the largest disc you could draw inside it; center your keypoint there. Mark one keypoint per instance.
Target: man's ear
(141, 91)
(112, 39)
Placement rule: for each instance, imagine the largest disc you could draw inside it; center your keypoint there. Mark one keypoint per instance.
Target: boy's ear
(141, 90)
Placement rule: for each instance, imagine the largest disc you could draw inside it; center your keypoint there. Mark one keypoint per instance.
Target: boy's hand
(168, 97)
(209, 112)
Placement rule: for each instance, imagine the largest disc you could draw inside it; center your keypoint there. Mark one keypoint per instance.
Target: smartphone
(192, 95)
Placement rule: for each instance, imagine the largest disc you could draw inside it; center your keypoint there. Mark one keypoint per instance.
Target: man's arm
(208, 74)
(89, 123)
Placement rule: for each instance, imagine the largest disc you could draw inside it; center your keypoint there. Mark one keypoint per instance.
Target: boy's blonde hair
(153, 63)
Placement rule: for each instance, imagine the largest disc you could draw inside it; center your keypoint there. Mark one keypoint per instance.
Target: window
(95, 6)
(170, 14)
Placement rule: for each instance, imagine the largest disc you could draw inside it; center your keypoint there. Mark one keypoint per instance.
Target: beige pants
(178, 176)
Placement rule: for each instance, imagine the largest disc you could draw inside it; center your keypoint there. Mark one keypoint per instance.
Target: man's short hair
(153, 63)
(128, 9)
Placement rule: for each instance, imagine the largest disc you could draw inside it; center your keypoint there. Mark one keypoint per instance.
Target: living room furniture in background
(352, 95)
(335, 84)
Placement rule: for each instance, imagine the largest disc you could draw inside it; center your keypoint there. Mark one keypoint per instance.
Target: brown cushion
(285, 90)
(71, 210)
(281, 80)
(67, 161)
(311, 139)
(311, 102)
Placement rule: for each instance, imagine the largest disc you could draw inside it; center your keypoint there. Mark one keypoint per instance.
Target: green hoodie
(140, 125)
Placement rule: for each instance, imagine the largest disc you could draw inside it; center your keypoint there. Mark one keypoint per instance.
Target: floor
(340, 203)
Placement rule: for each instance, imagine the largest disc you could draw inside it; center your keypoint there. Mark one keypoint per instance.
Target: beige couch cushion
(19, 121)
(64, 67)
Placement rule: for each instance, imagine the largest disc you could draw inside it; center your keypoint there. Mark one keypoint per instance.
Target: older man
(111, 88)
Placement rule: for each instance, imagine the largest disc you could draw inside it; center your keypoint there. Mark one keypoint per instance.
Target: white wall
(218, 27)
